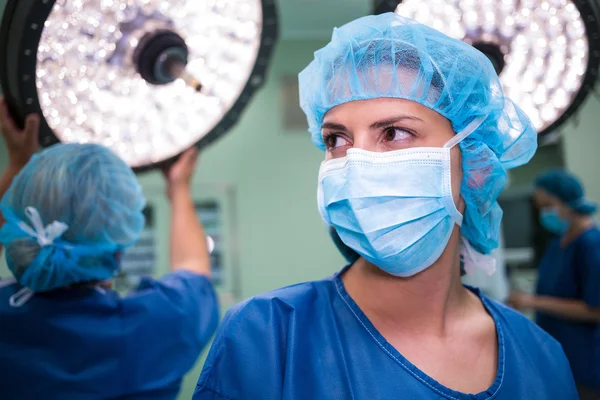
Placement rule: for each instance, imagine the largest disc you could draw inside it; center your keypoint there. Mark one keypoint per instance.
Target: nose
(364, 140)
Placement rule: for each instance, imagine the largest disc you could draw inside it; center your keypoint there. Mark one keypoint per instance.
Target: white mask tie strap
(474, 260)
(44, 235)
(459, 137)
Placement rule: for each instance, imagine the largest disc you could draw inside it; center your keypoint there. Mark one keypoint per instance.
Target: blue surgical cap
(389, 56)
(567, 188)
(68, 212)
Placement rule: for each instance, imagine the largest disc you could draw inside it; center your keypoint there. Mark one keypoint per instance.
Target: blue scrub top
(312, 341)
(573, 272)
(88, 343)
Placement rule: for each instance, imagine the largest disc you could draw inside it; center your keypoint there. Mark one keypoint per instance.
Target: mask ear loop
(471, 259)
(470, 128)
(459, 137)
(20, 298)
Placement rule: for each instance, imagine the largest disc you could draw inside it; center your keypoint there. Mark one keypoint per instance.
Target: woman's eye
(392, 134)
(334, 141)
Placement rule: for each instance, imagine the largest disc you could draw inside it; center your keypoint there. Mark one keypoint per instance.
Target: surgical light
(546, 52)
(147, 78)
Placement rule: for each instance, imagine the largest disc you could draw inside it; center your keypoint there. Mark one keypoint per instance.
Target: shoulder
(587, 251)
(177, 288)
(591, 236)
(182, 300)
(176, 280)
(515, 322)
(589, 239)
(526, 344)
(284, 303)
(266, 317)
(257, 333)
(524, 333)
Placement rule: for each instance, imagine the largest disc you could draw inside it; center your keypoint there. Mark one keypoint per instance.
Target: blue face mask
(551, 221)
(395, 209)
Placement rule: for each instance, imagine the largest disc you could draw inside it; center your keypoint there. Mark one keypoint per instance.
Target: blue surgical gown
(311, 341)
(573, 272)
(86, 344)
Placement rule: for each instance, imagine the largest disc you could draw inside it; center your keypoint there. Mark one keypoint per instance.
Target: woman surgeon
(417, 137)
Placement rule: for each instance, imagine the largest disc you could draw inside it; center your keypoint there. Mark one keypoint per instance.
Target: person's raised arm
(21, 145)
(189, 250)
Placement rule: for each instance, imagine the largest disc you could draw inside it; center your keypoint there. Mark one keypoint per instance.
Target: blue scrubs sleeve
(169, 321)
(590, 273)
(247, 357)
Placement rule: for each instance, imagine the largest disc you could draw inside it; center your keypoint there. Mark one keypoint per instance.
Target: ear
(119, 256)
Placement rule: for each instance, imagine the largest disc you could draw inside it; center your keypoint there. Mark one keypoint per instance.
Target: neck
(421, 303)
(579, 224)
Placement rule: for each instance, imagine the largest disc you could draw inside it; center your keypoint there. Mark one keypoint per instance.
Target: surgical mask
(396, 208)
(551, 221)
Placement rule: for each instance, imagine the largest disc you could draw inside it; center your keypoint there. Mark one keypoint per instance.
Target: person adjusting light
(68, 214)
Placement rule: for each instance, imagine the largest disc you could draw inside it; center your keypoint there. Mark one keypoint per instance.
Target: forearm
(189, 249)
(575, 310)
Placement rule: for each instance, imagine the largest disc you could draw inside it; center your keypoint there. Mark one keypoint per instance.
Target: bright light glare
(89, 89)
(546, 42)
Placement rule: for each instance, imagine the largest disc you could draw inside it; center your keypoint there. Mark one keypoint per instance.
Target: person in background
(567, 299)
(417, 137)
(68, 213)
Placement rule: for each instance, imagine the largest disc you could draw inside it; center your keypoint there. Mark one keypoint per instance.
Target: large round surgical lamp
(147, 78)
(546, 52)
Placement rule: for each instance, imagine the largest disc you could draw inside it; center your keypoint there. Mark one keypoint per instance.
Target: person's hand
(179, 174)
(21, 144)
(522, 301)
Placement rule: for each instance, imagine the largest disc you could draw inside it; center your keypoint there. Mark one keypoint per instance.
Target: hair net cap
(389, 56)
(68, 213)
(568, 189)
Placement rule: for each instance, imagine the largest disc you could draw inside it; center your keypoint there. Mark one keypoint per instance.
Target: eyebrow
(380, 124)
(337, 127)
(391, 121)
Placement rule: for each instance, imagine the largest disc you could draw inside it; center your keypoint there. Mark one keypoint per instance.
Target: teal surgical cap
(568, 189)
(389, 56)
(68, 212)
